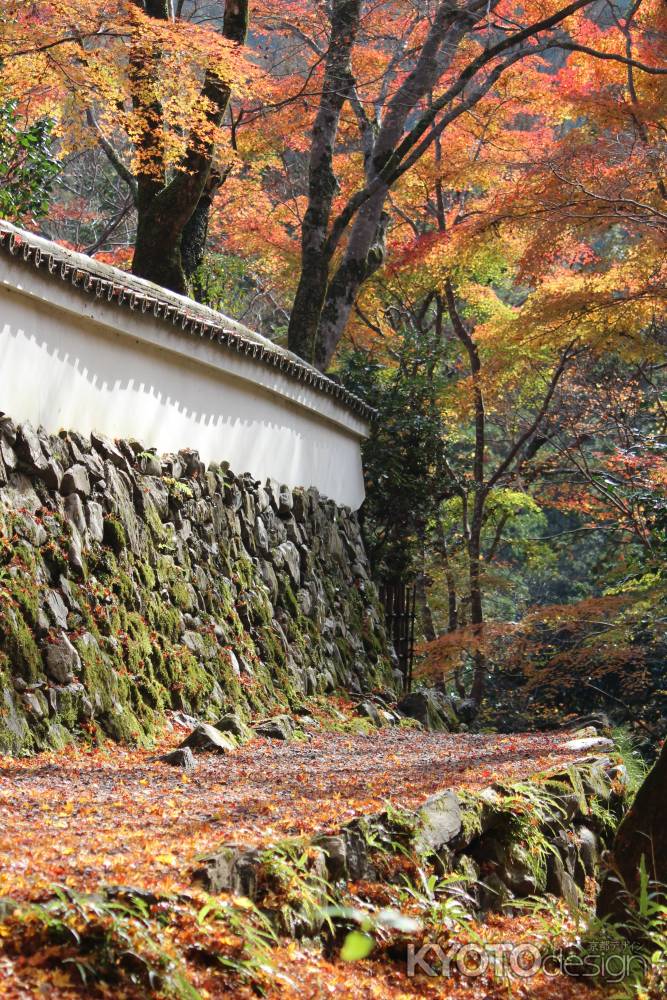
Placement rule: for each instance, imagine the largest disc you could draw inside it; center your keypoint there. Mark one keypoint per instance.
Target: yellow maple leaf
(166, 859)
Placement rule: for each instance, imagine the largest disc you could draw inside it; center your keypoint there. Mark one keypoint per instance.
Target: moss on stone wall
(195, 590)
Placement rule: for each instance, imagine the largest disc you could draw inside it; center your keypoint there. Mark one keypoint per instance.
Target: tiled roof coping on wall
(127, 291)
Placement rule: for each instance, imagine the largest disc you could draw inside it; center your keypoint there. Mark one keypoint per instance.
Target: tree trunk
(195, 233)
(157, 252)
(322, 184)
(452, 598)
(165, 210)
(308, 302)
(476, 603)
(642, 833)
(425, 613)
(474, 528)
(364, 253)
(452, 603)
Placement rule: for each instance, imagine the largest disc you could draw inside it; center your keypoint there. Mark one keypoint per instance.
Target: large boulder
(424, 707)
(280, 727)
(208, 738)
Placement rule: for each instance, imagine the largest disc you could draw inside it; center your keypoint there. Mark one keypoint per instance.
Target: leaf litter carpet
(112, 815)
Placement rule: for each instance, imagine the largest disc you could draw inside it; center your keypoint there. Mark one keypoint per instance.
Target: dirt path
(115, 816)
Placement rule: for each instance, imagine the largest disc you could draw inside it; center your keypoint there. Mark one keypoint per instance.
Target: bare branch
(524, 438)
(78, 38)
(574, 47)
(113, 156)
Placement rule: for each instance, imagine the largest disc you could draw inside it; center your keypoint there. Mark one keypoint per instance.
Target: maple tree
(377, 88)
(469, 199)
(362, 155)
(151, 92)
(391, 143)
(172, 212)
(527, 273)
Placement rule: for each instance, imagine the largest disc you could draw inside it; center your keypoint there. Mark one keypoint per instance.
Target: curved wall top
(85, 346)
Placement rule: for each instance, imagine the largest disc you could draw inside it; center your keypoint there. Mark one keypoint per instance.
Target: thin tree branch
(527, 434)
(574, 47)
(113, 156)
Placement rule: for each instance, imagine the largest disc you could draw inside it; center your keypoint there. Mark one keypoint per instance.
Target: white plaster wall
(70, 361)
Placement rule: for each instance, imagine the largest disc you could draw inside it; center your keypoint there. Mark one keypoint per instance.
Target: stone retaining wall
(132, 583)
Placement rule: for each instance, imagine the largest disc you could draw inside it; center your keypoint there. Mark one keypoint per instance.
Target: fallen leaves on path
(314, 977)
(113, 815)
